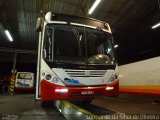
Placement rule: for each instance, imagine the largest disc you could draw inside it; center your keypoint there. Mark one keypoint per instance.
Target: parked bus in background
(24, 81)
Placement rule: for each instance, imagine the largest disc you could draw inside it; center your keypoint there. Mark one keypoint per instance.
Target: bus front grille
(85, 73)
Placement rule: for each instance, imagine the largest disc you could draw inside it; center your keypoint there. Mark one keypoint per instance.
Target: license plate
(87, 92)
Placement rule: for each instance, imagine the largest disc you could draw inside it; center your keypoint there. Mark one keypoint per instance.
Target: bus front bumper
(51, 91)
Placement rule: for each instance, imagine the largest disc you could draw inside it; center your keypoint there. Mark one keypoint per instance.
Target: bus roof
(78, 19)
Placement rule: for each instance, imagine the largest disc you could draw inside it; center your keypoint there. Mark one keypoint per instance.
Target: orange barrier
(142, 90)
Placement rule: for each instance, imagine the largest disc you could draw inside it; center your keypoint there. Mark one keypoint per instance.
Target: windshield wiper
(78, 38)
(76, 34)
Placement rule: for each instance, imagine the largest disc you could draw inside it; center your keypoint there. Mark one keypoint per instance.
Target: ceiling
(130, 21)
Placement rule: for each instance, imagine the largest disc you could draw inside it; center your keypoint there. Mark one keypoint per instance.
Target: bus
(24, 81)
(76, 59)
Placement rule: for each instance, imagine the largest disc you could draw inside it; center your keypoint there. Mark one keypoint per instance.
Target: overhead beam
(3, 49)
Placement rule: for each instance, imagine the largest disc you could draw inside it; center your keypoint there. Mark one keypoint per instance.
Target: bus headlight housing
(51, 77)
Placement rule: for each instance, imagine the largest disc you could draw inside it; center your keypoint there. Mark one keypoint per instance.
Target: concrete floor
(129, 104)
(24, 107)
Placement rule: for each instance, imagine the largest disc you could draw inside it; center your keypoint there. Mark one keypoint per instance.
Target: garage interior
(131, 23)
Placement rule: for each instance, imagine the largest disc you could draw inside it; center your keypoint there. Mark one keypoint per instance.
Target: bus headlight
(48, 77)
(55, 80)
(109, 88)
(63, 90)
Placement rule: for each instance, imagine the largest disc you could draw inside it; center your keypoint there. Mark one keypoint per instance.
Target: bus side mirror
(39, 24)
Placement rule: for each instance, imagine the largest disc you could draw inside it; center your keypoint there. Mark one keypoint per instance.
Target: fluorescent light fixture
(95, 4)
(115, 46)
(61, 90)
(9, 35)
(156, 25)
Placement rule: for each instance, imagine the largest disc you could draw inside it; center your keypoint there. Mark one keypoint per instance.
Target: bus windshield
(27, 76)
(76, 44)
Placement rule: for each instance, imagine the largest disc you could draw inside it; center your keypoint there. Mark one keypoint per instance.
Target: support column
(12, 79)
(14, 64)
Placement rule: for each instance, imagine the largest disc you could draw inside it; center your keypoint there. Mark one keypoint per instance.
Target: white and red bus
(24, 81)
(76, 58)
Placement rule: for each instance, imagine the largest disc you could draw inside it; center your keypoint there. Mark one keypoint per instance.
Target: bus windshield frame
(66, 43)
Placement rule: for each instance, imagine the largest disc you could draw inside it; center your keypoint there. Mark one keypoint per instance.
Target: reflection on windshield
(91, 46)
(99, 59)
